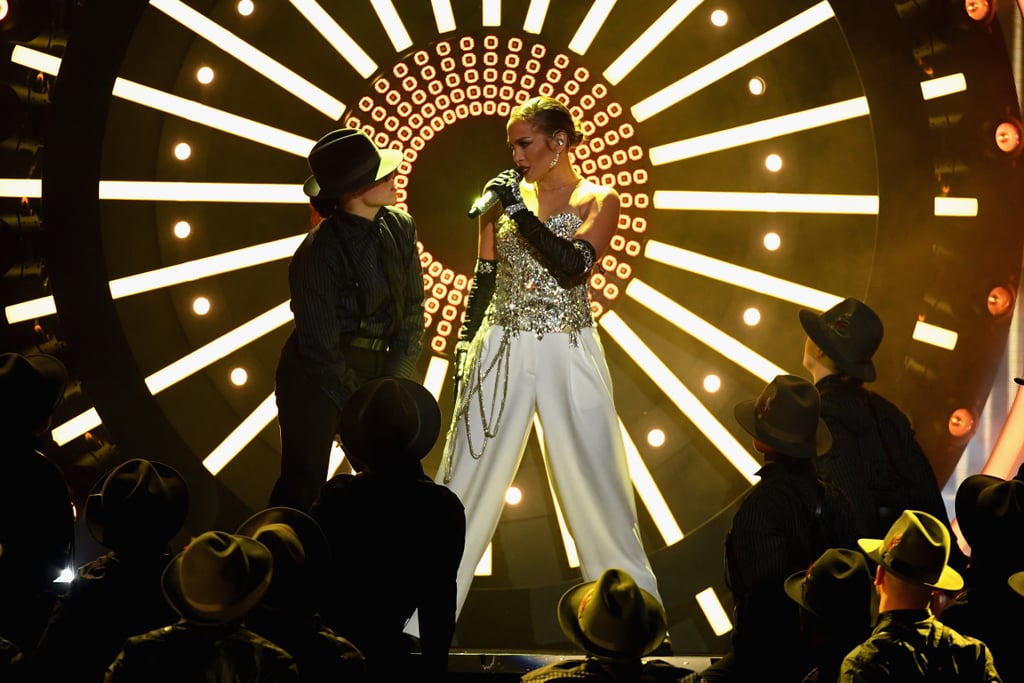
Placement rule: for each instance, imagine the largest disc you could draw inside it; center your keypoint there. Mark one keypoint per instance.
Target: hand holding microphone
(504, 187)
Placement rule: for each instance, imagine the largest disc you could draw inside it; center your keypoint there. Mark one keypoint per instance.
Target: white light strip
(651, 38)
(704, 332)
(259, 193)
(768, 202)
(342, 43)
(491, 13)
(568, 543)
(240, 437)
(688, 404)
(591, 25)
(770, 285)
(757, 132)
(392, 24)
(251, 57)
(716, 615)
(957, 207)
(437, 373)
(444, 17)
(648, 491)
(188, 271)
(214, 118)
(725, 65)
(484, 566)
(76, 426)
(946, 85)
(219, 348)
(335, 459)
(935, 335)
(21, 187)
(34, 59)
(535, 16)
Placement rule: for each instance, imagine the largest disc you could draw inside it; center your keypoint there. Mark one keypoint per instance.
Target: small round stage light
(980, 10)
(752, 316)
(182, 151)
(246, 7)
(772, 241)
(200, 305)
(182, 229)
(961, 422)
(239, 377)
(773, 162)
(1008, 137)
(656, 438)
(204, 75)
(1000, 301)
(712, 383)
(756, 85)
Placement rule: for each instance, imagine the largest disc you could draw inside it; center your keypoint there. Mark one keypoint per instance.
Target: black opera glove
(567, 258)
(481, 289)
(506, 186)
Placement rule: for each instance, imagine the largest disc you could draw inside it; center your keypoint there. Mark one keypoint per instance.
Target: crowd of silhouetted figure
(841, 559)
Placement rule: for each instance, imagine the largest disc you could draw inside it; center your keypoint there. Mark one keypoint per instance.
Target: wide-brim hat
(965, 503)
(915, 549)
(300, 550)
(837, 588)
(346, 160)
(389, 420)
(612, 617)
(138, 504)
(31, 387)
(849, 333)
(1016, 582)
(994, 519)
(787, 416)
(218, 577)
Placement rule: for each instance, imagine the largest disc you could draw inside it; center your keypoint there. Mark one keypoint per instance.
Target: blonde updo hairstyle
(549, 116)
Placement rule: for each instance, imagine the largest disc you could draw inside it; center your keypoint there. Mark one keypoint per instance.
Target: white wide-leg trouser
(570, 389)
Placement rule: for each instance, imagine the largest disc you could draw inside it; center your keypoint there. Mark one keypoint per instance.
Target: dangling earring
(554, 161)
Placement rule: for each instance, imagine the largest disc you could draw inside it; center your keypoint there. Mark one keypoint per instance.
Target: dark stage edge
(510, 665)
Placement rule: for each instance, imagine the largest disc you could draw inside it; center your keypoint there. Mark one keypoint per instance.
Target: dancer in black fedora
(357, 294)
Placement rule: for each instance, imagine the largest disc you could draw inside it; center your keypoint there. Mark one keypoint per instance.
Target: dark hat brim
(156, 532)
(357, 445)
(811, 322)
(310, 535)
(966, 500)
(949, 578)
(389, 161)
(744, 411)
(1016, 583)
(569, 606)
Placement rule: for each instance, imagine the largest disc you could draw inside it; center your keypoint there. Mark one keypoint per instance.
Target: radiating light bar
(699, 264)
(491, 11)
(725, 65)
(444, 17)
(437, 373)
(651, 38)
(535, 15)
(188, 271)
(945, 85)
(219, 348)
(591, 25)
(484, 566)
(571, 556)
(716, 615)
(392, 24)
(240, 437)
(162, 191)
(648, 491)
(957, 207)
(251, 57)
(934, 335)
(335, 459)
(214, 118)
(343, 44)
(76, 426)
(768, 202)
(759, 131)
(688, 404)
(21, 187)
(34, 59)
(702, 331)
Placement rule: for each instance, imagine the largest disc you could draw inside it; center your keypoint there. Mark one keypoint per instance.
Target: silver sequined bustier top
(526, 296)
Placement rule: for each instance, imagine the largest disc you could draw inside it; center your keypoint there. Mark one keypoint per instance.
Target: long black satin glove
(506, 186)
(480, 292)
(565, 258)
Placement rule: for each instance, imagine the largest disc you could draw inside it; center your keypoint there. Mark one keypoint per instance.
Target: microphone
(488, 199)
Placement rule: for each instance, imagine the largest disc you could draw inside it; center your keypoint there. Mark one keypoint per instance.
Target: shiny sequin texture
(527, 297)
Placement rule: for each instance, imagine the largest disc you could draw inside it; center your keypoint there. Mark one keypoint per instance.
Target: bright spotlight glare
(772, 241)
(246, 7)
(182, 229)
(773, 162)
(752, 316)
(656, 438)
(712, 383)
(182, 150)
(204, 75)
(513, 496)
(756, 85)
(239, 377)
(201, 305)
(719, 18)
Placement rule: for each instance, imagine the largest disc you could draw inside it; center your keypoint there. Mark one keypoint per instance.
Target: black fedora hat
(787, 416)
(300, 550)
(218, 577)
(849, 333)
(140, 504)
(31, 388)
(346, 160)
(389, 420)
(915, 549)
(837, 588)
(612, 617)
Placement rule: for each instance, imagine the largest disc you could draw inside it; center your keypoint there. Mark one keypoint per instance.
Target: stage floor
(509, 665)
